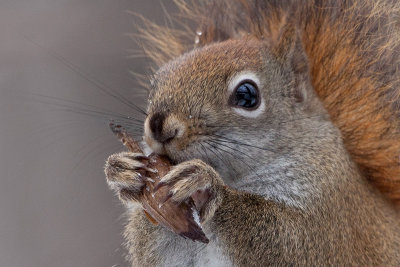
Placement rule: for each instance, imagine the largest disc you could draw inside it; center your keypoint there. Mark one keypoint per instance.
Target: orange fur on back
(354, 53)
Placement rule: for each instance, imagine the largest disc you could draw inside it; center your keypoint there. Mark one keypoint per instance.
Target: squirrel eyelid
(251, 113)
(239, 78)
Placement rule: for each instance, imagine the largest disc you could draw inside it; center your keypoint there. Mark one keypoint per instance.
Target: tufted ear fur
(289, 51)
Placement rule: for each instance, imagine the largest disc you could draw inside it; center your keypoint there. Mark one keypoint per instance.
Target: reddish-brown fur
(353, 49)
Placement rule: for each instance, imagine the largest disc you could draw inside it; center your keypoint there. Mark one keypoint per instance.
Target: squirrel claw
(150, 170)
(148, 179)
(158, 186)
(168, 197)
(192, 180)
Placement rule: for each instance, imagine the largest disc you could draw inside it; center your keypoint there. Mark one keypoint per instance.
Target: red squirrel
(282, 122)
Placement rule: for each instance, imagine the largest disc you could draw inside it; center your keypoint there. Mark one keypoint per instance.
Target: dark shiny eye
(245, 95)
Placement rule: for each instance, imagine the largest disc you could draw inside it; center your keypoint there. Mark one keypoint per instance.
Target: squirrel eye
(245, 95)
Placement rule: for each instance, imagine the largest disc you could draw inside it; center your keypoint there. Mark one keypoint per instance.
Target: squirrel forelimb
(178, 214)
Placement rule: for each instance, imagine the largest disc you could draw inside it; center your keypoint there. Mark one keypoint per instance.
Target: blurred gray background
(55, 206)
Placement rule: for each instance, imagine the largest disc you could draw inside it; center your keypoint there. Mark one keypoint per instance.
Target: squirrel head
(231, 101)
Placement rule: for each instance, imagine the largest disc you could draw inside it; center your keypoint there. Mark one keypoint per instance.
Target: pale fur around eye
(233, 84)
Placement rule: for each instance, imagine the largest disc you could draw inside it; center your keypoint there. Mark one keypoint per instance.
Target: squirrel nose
(160, 132)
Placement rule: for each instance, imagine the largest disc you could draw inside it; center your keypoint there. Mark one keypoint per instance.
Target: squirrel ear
(289, 50)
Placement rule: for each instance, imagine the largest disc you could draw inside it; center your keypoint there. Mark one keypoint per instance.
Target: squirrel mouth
(154, 145)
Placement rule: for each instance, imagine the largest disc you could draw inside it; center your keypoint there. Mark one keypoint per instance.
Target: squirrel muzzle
(162, 130)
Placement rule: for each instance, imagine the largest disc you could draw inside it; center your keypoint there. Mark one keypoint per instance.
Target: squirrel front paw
(197, 180)
(126, 174)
